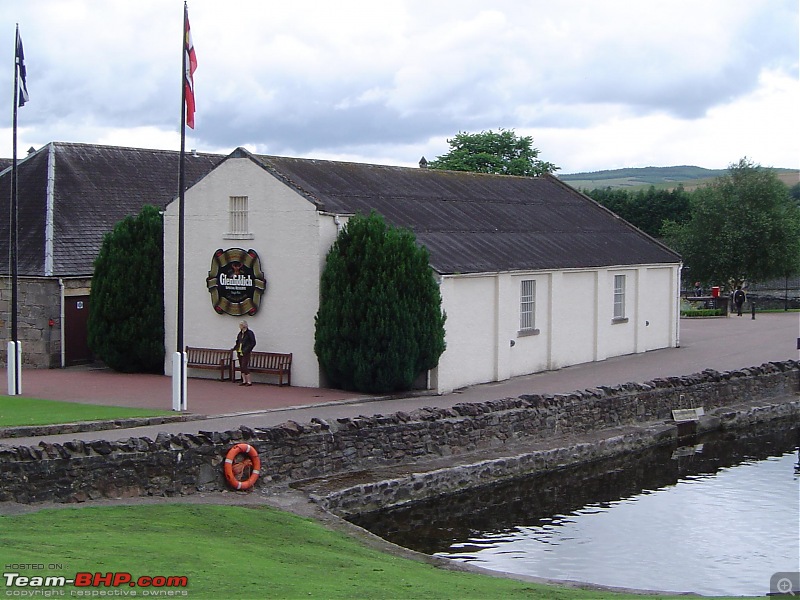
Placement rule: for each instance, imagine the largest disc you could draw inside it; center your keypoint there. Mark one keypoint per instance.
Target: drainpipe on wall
(61, 324)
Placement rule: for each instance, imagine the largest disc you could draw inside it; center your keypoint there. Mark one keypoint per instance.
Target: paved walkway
(722, 344)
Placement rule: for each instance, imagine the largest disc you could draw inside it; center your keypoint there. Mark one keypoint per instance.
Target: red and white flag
(190, 64)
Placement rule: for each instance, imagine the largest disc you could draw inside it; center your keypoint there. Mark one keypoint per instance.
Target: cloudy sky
(598, 85)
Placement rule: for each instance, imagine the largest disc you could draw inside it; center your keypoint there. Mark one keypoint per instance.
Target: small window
(527, 305)
(238, 214)
(619, 296)
(238, 218)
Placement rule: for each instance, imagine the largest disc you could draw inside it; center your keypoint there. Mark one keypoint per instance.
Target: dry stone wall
(292, 452)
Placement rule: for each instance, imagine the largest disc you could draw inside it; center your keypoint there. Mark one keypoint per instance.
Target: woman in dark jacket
(245, 342)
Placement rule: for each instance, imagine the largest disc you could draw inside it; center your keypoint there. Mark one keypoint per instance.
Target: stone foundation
(292, 453)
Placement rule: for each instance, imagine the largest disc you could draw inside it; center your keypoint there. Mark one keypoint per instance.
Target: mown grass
(18, 410)
(243, 553)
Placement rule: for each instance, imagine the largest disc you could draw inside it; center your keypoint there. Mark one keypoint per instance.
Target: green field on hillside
(659, 177)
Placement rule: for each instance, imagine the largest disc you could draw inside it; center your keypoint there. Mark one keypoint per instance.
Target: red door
(76, 330)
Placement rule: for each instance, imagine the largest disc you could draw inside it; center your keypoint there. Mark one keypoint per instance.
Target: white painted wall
(574, 321)
(660, 284)
(615, 338)
(470, 332)
(286, 234)
(573, 313)
(530, 353)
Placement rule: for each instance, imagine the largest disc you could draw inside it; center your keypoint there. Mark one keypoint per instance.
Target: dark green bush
(126, 313)
(380, 322)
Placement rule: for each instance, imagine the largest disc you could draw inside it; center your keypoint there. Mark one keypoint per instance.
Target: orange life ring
(233, 469)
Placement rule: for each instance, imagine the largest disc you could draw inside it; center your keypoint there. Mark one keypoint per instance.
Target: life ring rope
(232, 467)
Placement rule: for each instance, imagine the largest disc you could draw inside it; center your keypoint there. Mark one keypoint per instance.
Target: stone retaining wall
(184, 464)
(363, 498)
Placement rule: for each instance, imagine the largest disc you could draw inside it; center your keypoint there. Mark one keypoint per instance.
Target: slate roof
(476, 223)
(470, 222)
(94, 188)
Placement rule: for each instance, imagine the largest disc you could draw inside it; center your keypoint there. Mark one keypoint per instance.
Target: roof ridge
(131, 148)
(269, 157)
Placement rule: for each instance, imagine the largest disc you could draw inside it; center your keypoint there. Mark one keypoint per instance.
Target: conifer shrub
(126, 312)
(380, 322)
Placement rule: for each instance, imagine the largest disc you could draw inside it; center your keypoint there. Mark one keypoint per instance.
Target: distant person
(245, 342)
(698, 291)
(738, 299)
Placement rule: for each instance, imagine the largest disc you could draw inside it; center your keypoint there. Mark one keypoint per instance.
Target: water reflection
(694, 512)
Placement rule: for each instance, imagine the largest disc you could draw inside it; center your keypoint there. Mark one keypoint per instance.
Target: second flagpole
(179, 379)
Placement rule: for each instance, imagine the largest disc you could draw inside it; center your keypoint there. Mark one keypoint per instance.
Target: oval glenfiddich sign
(236, 281)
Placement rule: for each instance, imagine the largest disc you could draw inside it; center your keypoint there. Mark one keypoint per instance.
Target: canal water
(717, 516)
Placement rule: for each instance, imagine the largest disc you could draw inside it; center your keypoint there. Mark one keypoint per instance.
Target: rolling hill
(660, 177)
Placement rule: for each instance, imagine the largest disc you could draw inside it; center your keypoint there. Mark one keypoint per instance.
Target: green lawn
(17, 410)
(239, 553)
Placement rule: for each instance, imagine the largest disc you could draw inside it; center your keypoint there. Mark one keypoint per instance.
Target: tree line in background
(743, 227)
(646, 209)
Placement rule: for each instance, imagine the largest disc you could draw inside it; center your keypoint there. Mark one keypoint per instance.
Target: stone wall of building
(38, 301)
(293, 452)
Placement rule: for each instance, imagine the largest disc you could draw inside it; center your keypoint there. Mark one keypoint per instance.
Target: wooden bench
(273, 363)
(210, 358)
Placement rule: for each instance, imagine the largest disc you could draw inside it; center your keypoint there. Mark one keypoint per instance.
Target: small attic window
(238, 221)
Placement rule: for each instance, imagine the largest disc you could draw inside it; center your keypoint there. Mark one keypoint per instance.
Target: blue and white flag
(20, 61)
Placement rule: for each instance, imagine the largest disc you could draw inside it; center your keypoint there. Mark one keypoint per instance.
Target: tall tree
(500, 152)
(743, 227)
(126, 314)
(380, 322)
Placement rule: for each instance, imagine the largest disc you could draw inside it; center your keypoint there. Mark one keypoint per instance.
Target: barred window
(527, 304)
(238, 211)
(619, 296)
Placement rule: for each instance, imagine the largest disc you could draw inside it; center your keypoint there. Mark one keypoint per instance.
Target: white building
(534, 275)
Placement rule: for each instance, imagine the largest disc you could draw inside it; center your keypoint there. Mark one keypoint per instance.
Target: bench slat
(272, 363)
(209, 358)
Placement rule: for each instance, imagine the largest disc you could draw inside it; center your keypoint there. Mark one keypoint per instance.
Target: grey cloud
(575, 67)
(308, 128)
